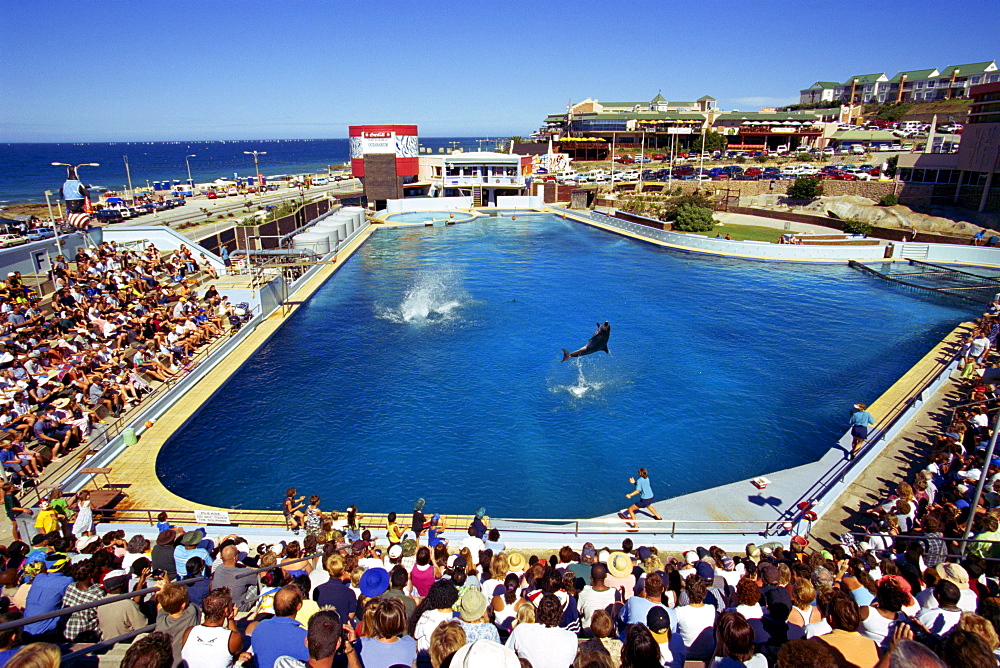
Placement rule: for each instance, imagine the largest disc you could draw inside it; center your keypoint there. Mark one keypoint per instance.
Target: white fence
(427, 204)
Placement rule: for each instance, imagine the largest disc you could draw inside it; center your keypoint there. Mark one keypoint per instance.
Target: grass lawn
(747, 232)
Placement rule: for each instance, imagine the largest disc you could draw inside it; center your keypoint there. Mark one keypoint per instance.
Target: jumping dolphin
(599, 341)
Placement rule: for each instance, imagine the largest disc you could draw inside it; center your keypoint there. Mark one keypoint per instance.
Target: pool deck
(732, 505)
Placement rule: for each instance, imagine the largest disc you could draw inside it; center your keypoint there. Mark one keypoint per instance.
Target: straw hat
(620, 565)
(516, 562)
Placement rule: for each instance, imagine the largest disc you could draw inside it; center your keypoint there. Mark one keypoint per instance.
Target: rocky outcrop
(855, 207)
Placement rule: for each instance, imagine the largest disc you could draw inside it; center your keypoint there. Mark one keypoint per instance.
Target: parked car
(8, 240)
(211, 194)
(642, 159)
(828, 151)
(39, 233)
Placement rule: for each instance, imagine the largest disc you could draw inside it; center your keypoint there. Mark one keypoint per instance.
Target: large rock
(855, 207)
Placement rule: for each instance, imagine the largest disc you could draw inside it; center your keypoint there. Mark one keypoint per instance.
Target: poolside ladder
(477, 196)
(912, 251)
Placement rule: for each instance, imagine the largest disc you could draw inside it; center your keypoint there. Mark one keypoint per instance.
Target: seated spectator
(325, 640)
(434, 609)
(83, 626)
(447, 639)
(640, 649)
(336, 592)
(175, 615)
(543, 643)
(150, 651)
(598, 596)
(942, 619)
(734, 643)
(118, 618)
(194, 568)
(46, 595)
(845, 643)
(227, 575)
(280, 635)
(386, 643)
(216, 641)
(398, 579)
(696, 621)
(475, 619)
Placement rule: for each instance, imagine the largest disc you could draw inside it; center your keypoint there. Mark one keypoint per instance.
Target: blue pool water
(429, 366)
(429, 217)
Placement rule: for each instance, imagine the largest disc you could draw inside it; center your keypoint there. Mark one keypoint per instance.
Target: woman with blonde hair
(803, 611)
(446, 639)
(525, 614)
(36, 655)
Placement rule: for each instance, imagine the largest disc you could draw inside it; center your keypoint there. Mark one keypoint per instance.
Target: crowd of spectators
(325, 602)
(115, 322)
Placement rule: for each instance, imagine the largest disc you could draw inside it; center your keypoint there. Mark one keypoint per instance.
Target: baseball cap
(658, 623)
(704, 571)
(769, 573)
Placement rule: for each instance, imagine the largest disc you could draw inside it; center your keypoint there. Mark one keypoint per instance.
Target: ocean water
(430, 366)
(26, 171)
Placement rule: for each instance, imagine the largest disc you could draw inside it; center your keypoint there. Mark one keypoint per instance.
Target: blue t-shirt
(45, 595)
(862, 419)
(378, 654)
(645, 489)
(336, 594)
(181, 556)
(278, 636)
(5, 655)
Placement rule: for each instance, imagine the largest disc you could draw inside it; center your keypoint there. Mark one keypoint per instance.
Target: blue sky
(106, 71)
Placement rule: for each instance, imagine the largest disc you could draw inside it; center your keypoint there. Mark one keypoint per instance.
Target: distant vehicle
(39, 233)
(641, 158)
(858, 149)
(233, 192)
(828, 151)
(211, 194)
(8, 240)
(321, 181)
(906, 147)
(659, 156)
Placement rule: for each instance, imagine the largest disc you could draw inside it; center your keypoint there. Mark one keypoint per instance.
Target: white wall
(427, 204)
(520, 201)
(948, 253)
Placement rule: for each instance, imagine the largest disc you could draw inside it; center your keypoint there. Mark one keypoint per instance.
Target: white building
(481, 175)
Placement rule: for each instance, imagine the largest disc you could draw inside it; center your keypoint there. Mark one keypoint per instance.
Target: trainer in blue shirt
(645, 492)
(280, 635)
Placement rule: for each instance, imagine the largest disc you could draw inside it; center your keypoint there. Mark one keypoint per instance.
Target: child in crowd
(394, 533)
(292, 510)
(314, 517)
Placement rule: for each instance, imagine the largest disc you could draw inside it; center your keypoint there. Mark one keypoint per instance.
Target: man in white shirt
(942, 619)
(596, 595)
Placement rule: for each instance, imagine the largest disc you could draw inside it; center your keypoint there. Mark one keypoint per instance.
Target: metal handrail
(254, 571)
(105, 644)
(93, 604)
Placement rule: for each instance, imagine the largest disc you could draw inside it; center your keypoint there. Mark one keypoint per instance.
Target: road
(200, 208)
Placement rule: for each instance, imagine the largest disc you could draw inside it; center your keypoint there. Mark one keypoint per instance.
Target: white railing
(516, 181)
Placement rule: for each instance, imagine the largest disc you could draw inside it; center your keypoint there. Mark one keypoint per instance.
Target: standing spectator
(419, 521)
(474, 544)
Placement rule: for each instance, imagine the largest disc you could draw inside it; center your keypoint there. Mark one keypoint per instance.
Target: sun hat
(485, 654)
(953, 573)
(472, 606)
(374, 582)
(516, 562)
(409, 547)
(619, 565)
(87, 541)
(61, 403)
(395, 551)
(192, 538)
(165, 539)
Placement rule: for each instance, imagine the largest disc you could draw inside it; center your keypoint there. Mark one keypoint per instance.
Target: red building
(385, 158)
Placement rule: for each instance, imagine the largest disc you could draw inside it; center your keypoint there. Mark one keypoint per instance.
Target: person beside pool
(645, 492)
(860, 420)
(293, 513)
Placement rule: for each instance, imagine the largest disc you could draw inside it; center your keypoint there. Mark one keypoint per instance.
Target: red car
(211, 195)
(826, 176)
(754, 171)
(659, 156)
(844, 176)
(721, 177)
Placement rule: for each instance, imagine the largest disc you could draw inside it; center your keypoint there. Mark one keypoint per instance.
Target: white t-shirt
(475, 546)
(429, 621)
(938, 620)
(755, 661)
(589, 600)
(544, 647)
(695, 628)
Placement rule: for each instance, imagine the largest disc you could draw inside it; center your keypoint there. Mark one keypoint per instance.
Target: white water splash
(582, 385)
(435, 297)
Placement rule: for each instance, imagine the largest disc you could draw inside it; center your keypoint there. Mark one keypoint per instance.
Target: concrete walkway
(900, 461)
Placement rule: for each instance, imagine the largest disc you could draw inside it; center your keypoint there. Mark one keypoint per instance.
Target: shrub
(690, 218)
(889, 200)
(761, 159)
(699, 198)
(805, 157)
(807, 187)
(857, 227)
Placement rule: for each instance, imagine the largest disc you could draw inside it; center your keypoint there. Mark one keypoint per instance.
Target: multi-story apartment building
(927, 85)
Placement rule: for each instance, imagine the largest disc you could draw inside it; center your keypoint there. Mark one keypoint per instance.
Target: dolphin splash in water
(599, 341)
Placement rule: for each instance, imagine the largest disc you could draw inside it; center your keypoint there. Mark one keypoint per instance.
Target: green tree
(891, 165)
(714, 141)
(889, 200)
(690, 218)
(852, 226)
(807, 187)
(697, 198)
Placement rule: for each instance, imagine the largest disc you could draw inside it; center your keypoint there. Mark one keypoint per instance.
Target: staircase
(477, 196)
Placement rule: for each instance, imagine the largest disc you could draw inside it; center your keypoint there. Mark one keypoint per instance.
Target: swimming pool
(430, 217)
(429, 366)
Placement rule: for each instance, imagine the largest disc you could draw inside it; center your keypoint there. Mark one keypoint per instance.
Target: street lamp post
(256, 166)
(188, 163)
(55, 227)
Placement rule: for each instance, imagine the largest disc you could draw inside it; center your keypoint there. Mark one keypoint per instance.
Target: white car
(828, 151)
